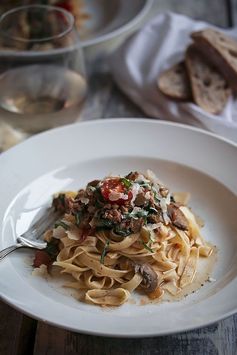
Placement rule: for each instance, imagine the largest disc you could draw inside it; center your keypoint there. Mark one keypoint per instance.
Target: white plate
(109, 19)
(187, 159)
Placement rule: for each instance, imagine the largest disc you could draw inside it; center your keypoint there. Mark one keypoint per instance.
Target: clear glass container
(42, 71)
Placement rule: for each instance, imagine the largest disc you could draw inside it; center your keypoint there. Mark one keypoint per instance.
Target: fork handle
(8, 250)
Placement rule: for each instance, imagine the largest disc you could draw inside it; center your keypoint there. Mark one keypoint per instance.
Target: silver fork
(30, 239)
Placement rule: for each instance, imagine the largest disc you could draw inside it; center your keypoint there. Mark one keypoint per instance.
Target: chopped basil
(143, 183)
(61, 197)
(151, 237)
(99, 200)
(78, 216)
(91, 188)
(147, 247)
(127, 183)
(155, 195)
(98, 204)
(52, 250)
(61, 224)
(142, 213)
(152, 210)
(104, 252)
(122, 232)
(104, 223)
(136, 215)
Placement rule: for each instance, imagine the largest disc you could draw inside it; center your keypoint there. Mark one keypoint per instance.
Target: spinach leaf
(52, 249)
(78, 217)
(121, 231)
(104, 252)
(127, 183)
(104, 223)
(61, 224)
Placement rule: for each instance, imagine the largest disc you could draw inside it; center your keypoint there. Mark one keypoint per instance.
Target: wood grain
(217, 339)
(232, 11)
(17, 332)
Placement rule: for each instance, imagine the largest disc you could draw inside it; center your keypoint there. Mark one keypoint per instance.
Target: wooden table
(20, 334)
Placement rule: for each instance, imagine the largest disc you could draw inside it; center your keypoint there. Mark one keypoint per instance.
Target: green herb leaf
(136, 215)
(104, 223)
(141, 213)
(78, 216)
(52, 250)
(104, 252)
(61, 224)
(91, 188)
(147, 247)
(99, 198)
(155, 195)
(127, 183)
(98, 204)
(152, 210)
(122, 232)
(143, 183)
(61, 197)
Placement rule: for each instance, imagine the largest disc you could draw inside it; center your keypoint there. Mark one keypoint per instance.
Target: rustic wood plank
(50, 340)
(232, 10)
(217, 339)
(17, 332)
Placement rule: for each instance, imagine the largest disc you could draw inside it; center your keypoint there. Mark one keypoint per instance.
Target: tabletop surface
(20, 334)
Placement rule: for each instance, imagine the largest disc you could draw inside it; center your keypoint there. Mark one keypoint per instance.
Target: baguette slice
(174, 83)
(221, 50)
(210, 90)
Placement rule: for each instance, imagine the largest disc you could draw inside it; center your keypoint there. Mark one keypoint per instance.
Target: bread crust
(209, 88)
(221, 51)
(174, 83)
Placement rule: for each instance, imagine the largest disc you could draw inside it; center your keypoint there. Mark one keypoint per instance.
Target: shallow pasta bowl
(185, 159)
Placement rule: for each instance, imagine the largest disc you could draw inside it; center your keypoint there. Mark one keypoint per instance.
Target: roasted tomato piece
(114, 191)
(66, 5)
(41, 258)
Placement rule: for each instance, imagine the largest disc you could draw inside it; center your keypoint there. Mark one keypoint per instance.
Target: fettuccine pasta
(122, 234)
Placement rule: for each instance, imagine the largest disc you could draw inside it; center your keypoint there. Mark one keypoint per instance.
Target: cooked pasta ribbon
(123, 234)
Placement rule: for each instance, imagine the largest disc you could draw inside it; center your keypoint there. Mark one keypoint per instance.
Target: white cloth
(137, 63)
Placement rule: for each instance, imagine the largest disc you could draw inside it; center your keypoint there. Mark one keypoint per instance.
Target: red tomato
(66, 5)
(41, 257)
(115, 185)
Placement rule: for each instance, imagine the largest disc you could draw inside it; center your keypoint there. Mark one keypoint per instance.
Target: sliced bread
(221, 50)
(174, 82)
(210, 90)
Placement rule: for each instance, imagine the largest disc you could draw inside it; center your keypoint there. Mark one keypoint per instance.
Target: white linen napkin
(137, 63)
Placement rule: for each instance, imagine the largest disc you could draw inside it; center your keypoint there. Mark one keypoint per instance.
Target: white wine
(37, 97)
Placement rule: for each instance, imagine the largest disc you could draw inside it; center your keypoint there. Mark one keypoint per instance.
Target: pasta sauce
(122, 234)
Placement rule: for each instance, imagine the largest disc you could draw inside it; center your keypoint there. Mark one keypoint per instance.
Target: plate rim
(122, 119)
(112, 334)
(117, 32)
(83, 44)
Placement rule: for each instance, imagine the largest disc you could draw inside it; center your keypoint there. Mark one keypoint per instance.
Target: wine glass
(42, 71)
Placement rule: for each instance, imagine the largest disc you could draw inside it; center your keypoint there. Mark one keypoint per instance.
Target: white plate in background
(109, 19)
(185, 158)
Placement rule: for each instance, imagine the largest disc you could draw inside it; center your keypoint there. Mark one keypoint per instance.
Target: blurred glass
(42, 81)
